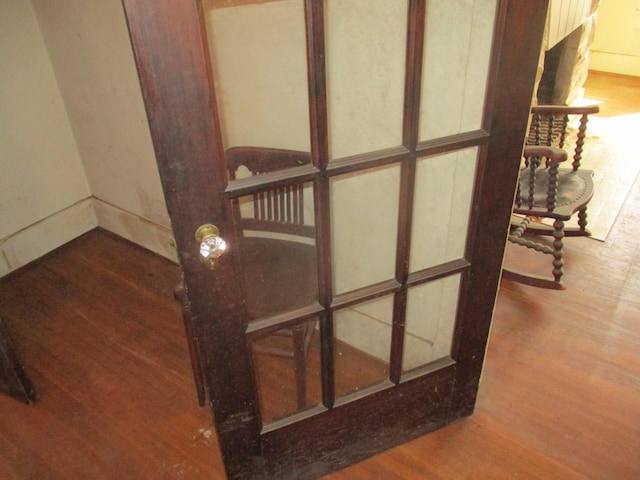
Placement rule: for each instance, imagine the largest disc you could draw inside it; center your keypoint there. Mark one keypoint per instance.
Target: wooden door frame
(172, 59)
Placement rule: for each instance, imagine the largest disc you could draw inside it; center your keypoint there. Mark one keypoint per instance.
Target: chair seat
(279, 275)
(575, 189)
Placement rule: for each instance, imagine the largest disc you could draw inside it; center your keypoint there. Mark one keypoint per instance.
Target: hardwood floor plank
(111, 368)
(460, 451)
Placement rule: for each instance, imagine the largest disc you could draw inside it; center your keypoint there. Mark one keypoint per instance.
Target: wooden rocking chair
(546, 191)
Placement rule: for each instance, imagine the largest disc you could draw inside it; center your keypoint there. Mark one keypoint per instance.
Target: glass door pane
(443, 194)
(287, 368)
(259, 64)
(430, 320)
(362, 344)
(365, 42)
(457, 48)
(364, 226)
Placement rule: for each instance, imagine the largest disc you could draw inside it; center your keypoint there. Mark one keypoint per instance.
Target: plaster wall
(44, 195)
(616, 46)
(89, 47)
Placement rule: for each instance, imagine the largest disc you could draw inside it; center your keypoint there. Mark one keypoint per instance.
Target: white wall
(565, 16)
(75, 149)
(616, 47)
(91, 54)
(44, 195)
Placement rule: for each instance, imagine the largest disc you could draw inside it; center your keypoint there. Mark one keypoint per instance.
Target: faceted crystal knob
(212, 245)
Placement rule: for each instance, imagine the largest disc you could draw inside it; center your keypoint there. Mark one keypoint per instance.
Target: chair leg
(300, 365)
(558, 264)
(582, 219)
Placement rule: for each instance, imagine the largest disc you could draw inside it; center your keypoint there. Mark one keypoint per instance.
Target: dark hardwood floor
(102, 340)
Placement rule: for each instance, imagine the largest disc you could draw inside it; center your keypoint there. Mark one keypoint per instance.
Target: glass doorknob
(212, 245)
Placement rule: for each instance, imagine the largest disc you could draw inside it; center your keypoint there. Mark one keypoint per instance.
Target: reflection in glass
(277, 245)
(258, 58)
(287, 369)
(457, 48)
(365, 74)
(364, 219)
(431, 315)
(362, 344)
(443, 193)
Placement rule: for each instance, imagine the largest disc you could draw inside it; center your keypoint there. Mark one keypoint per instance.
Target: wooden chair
(280, 210)
(546, 191)
(279, 273)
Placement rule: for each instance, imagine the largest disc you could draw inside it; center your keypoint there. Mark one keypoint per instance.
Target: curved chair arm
(553, 154)
(262, 159)
(538, 177)
(565, 109)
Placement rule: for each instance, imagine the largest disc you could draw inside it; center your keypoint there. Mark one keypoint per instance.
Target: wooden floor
(102, 339)
(611, 146)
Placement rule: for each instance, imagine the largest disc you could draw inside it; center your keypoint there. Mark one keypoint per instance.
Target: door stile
(410, 124)
(506, 115)
(316, 67)
(173, 67)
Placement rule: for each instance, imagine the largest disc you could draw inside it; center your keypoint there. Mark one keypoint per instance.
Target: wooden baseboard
(139, 230)
(42, 237)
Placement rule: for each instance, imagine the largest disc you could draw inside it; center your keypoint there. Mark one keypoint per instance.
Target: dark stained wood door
(375, 256)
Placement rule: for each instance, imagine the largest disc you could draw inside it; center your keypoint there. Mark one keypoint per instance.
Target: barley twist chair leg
(582, 219)
(558, 264)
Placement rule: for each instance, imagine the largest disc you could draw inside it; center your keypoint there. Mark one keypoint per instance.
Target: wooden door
(407, 120)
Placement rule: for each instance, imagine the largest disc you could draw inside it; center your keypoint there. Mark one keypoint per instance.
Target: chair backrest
(550, 126)
(281, 209)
